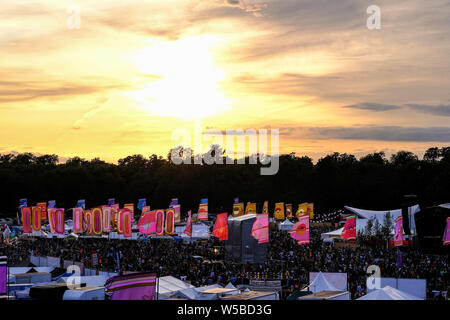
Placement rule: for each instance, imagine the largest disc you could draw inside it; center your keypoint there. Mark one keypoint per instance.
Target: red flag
(188, 229)
(349, 232)
(221, 227)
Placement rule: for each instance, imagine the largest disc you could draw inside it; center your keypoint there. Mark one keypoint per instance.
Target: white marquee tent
(388, 293)
(320, 284)
(285, 225)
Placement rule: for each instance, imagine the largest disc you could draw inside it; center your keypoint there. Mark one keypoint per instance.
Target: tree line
(338, 179)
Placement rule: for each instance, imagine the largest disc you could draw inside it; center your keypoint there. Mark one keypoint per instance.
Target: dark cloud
(373, 106)
(440, 110)
(377, 133)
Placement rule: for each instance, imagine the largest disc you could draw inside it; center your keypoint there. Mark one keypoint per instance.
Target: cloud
(377, 133)
(440, 110)
(372, 106)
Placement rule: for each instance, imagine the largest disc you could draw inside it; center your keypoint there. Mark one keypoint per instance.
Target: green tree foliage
(372, 182)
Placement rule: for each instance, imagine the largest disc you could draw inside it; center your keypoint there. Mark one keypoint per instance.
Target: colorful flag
(204, 200)
(251, 208)
(43, 206)
(174, 202)
(289, 211)
(203, 211)
(177, 209)
(135, 286)
(142, 203)
(130, 206)
(81, 204)
(236, 200)
(111, 202)
(114, 215)
(266, 207)
(398, 238)
(447, 233)
(107, 216)
(97, 221)
(221, 227)
(300, 230)
(51, 204)
(188, 229)
(279, 211)
(87, 222)
(77, 218)
(26, 219)
(349, 232)
(160, 222)
(260, 229)
(147, 223)
(125, 217)
(56, 220)
(22, 203)
(238, 209)
(170, 219)
(305, 208)
(36, 218)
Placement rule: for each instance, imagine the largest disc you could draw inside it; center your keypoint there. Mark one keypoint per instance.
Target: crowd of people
(205, 262)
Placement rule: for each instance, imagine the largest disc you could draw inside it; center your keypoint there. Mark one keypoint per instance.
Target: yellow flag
(289, 211)
(251, 208)
(238, 209)
(305, 209)
(279, 211)
(266, 207)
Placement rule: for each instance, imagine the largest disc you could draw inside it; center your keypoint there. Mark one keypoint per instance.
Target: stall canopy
(169, 285)
(320, 284)
(285, 225)
(388, 293)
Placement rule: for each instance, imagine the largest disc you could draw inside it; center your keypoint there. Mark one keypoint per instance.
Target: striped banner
(77, 218)
(26, 219)
(159, 222)
(170, 219)
(36, 218)
(125, 216)
(56, 219)
(97, 221)
(106, 218)
(135, 286)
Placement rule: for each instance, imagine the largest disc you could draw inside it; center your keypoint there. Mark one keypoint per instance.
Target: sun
(187, 83)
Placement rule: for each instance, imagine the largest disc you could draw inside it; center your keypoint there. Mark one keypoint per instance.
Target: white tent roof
(171, 284)
(445, 205)
(379, 215)
(388, 293)
(320, 284)
(287, 223)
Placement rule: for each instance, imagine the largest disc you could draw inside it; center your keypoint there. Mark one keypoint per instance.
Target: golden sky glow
(136, 71)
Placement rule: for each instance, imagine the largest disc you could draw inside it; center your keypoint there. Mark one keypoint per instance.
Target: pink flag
(77, 218)
(147, 223)
(221, 227)
(188, 229)
(56, 220)
(447, 233)
(398, 238)
(300, 230)
(349, 232)
(260, 229)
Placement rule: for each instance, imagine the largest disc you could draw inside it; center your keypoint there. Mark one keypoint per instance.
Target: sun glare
(189, 86)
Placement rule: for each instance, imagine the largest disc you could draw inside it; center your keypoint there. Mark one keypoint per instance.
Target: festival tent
(166, 286)
(199, 230)
(379, 215)
(388, 293)
(445, 205)
(320, 284)
(285, 225)
(230, 286)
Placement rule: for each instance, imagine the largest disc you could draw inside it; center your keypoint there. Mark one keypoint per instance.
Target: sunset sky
(136, 71)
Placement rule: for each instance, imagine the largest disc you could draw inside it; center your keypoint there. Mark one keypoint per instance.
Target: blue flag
(173, 202)
(111, 201)
(51, 204)
(236, 200)
(22, 203)
(142, 203)
(81, 204)
(205, 200)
